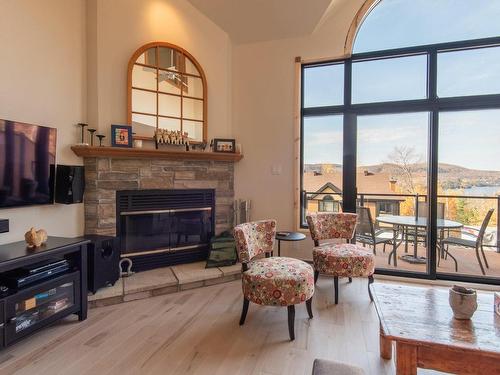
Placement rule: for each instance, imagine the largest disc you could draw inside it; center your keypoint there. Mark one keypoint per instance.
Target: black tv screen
(27, 164)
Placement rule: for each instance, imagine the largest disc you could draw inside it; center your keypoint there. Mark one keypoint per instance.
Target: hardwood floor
(197, 332)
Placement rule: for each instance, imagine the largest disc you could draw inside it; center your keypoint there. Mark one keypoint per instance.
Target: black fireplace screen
(165, 230)
(155, 221)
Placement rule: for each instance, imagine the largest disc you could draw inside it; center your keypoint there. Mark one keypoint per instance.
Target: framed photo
(121, 136)
(224, 145)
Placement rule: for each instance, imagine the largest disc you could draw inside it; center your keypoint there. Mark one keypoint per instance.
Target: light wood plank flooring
(197, 332)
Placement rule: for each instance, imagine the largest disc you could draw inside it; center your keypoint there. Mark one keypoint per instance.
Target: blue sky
(469, 139)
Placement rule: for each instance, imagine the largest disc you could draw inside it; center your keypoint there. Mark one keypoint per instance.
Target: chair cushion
(343, 260)
(325, 367)
(278, 281)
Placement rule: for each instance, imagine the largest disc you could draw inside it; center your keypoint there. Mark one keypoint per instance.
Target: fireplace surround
(106, 177)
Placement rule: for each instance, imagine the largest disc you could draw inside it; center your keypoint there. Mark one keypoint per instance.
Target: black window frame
(431, 104)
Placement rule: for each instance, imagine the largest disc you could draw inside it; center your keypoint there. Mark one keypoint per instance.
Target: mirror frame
(187, 55)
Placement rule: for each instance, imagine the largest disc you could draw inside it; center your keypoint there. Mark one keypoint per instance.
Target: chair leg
(479, 261)
(316, 275)
(370, 281)
(336, 289)
(244, 311)
(309, 307)
(484, 257)
(291, 321)
(350, 279)
(383, 249)
(454, 260)
(374, 249)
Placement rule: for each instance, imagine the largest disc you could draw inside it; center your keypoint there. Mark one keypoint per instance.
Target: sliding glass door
(391, 179)
(469, 192)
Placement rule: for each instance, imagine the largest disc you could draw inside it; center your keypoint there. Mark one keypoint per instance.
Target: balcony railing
(469, 210)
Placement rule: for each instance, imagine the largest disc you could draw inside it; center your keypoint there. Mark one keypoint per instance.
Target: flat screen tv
(27, 164)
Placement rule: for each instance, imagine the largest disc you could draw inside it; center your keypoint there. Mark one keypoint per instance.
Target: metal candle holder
(101, 137)
(91, 131)
(82, 125)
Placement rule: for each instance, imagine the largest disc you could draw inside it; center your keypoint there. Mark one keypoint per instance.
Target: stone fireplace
(104, 176)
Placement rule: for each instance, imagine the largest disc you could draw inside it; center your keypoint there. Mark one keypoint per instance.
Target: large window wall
(410, 133)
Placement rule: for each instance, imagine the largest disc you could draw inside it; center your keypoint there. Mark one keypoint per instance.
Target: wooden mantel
(138, 153)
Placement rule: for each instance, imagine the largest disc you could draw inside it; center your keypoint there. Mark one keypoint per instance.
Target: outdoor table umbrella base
(413, 259)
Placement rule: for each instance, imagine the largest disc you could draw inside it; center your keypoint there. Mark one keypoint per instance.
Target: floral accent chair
(339, 259)
(271, 281)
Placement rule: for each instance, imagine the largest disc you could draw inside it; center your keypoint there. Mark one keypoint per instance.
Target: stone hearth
(105, 175)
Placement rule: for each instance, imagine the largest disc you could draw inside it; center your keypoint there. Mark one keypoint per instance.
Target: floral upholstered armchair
(271, 281)
(338, 259)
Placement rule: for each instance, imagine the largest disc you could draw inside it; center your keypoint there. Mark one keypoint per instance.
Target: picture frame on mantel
(224, 145)
(121, 136)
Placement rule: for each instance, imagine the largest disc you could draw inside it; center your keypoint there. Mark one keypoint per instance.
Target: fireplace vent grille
(138, 200)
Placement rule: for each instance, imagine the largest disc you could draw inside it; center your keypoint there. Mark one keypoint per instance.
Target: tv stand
(27, 310)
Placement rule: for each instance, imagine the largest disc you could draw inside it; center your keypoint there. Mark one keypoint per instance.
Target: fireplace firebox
(158, 228)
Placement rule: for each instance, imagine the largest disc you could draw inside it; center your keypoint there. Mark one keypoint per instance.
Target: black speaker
(103, 259)
(70, 184)
(4, 225)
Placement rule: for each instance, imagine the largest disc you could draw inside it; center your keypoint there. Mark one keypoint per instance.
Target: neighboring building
(325, 192)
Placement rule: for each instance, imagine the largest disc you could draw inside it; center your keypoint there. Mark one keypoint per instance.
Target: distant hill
(450, 176)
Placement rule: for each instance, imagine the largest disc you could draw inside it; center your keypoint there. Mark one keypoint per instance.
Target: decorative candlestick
(82, 125)
(101, 137)
(91, 131)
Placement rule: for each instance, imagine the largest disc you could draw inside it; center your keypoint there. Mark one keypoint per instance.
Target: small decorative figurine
(171, 137)
(35, 238)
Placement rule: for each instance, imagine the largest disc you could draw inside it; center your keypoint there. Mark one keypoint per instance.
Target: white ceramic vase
(463, 302)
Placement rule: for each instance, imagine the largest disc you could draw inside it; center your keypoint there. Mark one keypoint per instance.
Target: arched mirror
(167, 89)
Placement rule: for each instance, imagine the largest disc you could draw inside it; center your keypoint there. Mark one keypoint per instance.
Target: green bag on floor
(222, 251)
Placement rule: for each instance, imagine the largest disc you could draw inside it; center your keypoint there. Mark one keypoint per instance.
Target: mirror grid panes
(167, 91)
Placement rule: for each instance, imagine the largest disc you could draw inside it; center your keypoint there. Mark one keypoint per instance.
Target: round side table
(288, 236)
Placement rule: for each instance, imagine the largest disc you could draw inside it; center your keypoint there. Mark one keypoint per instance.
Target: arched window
(167, 89)
(412, 117)
(402, 23)
(328, 204)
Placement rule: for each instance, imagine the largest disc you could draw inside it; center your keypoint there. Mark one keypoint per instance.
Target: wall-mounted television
(27, 164)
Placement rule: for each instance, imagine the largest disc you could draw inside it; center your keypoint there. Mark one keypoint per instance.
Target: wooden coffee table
(420, 322)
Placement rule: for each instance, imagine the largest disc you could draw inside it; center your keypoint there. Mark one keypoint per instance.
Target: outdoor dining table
(407, 222)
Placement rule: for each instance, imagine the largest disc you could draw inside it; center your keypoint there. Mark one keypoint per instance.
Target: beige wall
(118, 27)
(43, 81)
(65, 61)
(263, 114)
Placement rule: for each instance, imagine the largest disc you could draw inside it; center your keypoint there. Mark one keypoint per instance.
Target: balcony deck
(466, 258)
(467, 262)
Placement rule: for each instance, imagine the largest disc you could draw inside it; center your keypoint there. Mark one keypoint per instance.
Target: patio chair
(366, 232)
(476, 244)
(271, 281)
(339, 259)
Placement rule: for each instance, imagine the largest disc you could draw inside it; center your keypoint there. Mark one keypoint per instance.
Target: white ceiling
(249, 21)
